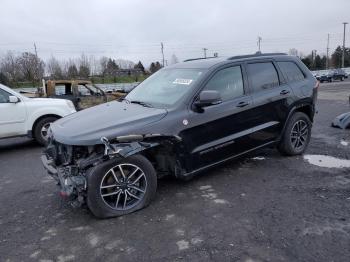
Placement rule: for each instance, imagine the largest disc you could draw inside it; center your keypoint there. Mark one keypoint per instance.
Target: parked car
(338, 74)
(325, 78)
(182, 120)
(23, 116)
(82, 93)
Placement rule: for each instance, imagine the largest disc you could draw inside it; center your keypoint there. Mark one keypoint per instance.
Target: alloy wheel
(123, 186)
(44, 131)
(299, 134)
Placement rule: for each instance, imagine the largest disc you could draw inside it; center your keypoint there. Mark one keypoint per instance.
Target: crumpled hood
(109, 120)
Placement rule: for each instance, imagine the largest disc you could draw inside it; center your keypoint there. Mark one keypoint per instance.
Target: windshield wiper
(141, 103)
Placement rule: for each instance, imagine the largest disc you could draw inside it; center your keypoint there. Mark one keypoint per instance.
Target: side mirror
(13, 99)
(208, 98)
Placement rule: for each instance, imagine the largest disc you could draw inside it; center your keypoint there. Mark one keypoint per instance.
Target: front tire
(296, 136)
(41, 128)
(120, 187)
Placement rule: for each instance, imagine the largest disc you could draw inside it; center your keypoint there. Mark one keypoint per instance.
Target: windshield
(165, 88)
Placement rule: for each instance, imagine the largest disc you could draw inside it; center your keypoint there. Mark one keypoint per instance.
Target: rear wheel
(296, 135)
(117, 188)
(41, 128)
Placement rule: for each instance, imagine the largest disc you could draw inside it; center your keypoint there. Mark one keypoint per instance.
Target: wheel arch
(304, 107)
(40, 118)
(160, 150)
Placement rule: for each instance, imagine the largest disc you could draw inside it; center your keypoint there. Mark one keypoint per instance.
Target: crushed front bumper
(72, 186)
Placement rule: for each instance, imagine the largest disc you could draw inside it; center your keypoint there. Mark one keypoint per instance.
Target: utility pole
(343, 56)
(36, 62)
(259, 43)
(162, 49)
(327, 57)
(205, 52)
(314, 58)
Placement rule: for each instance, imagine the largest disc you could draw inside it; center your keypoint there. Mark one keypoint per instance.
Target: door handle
(284, 92)
(242, 104)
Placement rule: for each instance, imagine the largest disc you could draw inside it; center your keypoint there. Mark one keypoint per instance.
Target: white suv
(22, 116)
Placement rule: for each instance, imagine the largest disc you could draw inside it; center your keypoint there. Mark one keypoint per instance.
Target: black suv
(180, 121)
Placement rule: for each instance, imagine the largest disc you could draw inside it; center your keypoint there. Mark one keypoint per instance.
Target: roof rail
(201, 58)
(257, 54)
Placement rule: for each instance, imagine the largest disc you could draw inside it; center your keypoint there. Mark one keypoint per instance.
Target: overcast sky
(133, 29)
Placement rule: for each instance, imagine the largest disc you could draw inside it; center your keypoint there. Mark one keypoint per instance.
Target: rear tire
(112, 192)
(40, 129)
(296, 136)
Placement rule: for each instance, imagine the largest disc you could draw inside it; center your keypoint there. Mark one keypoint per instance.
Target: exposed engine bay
(70, 165)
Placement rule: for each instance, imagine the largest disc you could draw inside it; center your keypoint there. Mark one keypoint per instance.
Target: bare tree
(84, 66)
(293, 52)
(174, 59)
(31, 66)
(10, 68)
(54, 68)
(103, 65)
(72, 71)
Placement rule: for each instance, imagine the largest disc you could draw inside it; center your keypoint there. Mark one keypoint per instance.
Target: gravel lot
(263, 207)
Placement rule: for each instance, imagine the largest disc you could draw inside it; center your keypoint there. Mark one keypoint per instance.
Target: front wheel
(296, 136)
(120, 187)
(41, 128)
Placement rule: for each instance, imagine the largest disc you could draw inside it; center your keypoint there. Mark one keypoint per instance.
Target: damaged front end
(69, 165)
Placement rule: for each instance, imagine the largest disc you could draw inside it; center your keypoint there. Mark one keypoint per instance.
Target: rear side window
(228, 82)
(262, 76)
(291, 71)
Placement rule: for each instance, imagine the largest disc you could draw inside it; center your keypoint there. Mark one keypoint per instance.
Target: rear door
(271, 97)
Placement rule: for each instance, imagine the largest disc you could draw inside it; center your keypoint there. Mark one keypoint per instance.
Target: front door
(220, 131)
(12, 116)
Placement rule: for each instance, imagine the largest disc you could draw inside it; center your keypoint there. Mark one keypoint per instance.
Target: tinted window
(291, 71)
(262, 76)
(228, 82)
(4, 96)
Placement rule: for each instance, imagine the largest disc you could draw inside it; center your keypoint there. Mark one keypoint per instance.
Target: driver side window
(4, 96)
(228, 82)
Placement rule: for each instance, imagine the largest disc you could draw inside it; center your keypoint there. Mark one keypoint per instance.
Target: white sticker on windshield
(181, 81)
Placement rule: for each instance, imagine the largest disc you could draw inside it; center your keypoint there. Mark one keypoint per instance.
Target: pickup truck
(23, 116)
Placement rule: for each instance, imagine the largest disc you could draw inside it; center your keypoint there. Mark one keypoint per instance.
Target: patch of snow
(258, 158)
(327, 161)
(204, 187)
(344, 143)
(182, 244)
(196, 240)
(220, 201)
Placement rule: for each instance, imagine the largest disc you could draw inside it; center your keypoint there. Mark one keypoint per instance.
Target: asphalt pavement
(262, 207)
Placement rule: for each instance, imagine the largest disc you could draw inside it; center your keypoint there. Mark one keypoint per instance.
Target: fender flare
(291, 112)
